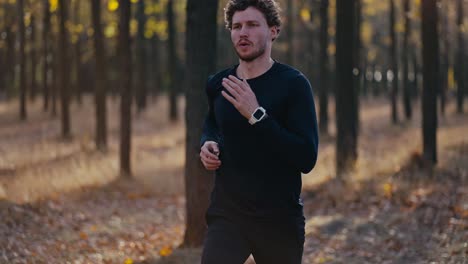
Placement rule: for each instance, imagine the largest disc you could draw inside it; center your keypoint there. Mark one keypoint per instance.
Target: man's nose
(244, 31)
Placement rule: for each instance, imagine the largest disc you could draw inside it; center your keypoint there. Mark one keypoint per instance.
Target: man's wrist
(258, 115)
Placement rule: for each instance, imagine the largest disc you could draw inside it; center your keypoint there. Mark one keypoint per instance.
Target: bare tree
(22, 59)
(172, 60)
(406, 58)
(346, 95)
(201, 61)
(324, 70)
(45, 52)
(126, 82)
(461, 75)
(141, 89)
(32, 52)
(64, 69)
(430, 79)
(100, 86)
(394, 63)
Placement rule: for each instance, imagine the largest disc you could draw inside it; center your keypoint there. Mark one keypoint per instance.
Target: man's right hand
(209, 155)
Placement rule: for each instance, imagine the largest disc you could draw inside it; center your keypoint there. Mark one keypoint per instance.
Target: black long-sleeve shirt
(261, 164)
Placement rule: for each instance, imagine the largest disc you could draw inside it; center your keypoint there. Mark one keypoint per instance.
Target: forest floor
(61, 201)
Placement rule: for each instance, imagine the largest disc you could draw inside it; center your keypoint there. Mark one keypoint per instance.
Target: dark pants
(269, 242)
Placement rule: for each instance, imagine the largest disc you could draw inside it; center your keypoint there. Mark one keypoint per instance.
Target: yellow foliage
(90, 32)
(399, 27)
(388, 190)
(53, 5)
(331, 31)
(134, 1)
(148, 34)
(331, 49)
(133, 27)
(165, 251)
(79, 28)
(12, 1)
(149, 10)
(112, 5)
(451, 78)
(128, 261)
(305, 14)
(366, 33)
(110, 30)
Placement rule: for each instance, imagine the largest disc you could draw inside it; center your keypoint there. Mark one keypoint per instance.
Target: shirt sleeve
(210, 128)
(297, 141)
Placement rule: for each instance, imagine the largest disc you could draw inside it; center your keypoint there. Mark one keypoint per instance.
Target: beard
(252, 56)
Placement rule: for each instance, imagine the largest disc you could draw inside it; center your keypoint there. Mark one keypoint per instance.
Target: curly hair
(269, 8)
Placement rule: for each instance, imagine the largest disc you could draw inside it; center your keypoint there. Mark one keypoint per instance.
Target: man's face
(251, 34)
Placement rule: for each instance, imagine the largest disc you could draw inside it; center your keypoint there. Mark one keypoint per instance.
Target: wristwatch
(258, 115)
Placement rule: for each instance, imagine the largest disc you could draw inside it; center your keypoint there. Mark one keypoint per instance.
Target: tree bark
(324, 68)
(100, 87)
(22, 59)
(64, 69)
(394, 63)
(461, 75)
(33, 85)
(430, 79)
(406, 84)
(78, 91)
(126, 82)
(346, 95)
(201, 61)
(45, 53)
(172, 60)
(141, 52)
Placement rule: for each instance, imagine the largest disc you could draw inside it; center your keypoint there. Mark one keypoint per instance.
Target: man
(260, 135)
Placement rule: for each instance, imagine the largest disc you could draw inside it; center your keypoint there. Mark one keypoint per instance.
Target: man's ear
(274, 31)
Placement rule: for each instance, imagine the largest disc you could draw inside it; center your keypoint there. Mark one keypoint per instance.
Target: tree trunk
(430, 79)
(172, 60)
(33, 85)
(126, 82)
(141, 51)
(406, 84)
(324, 70)
(394, 63)
(45, 53)
(77, 46)
(200, 50)
(22, 59)
(346, 95)
(100, 87)
(461, 75)
(357, 70)
(156, 62)
(64, 69)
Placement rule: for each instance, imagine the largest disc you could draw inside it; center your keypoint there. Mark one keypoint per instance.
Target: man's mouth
(243, 44)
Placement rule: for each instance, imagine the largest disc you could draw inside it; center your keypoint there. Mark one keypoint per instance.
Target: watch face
(258, 114)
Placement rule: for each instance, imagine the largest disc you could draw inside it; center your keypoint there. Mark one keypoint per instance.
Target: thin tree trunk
(461, 75)
(101, 78)
(45, 53)
(201, 61)
(22, 59)
(346, 95)
(172, 60)
(78, 83)
(126, 82)
(156, 61)
(406, 84)
(445, 51)
(430, 79)
(357, 57)
(141, 52)
(324, 68)
(394, 63)
(64, 69)
(33, 85)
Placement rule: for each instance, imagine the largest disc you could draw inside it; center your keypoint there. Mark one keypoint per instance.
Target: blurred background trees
(59, 51)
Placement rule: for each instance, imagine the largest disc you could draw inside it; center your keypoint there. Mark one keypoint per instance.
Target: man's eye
(235, 27)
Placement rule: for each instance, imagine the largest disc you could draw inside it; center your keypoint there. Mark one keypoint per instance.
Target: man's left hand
(242, 97)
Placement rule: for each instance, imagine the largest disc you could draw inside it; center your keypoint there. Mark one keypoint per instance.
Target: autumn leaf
(165, 251)
(388, 190)
(128, 261)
